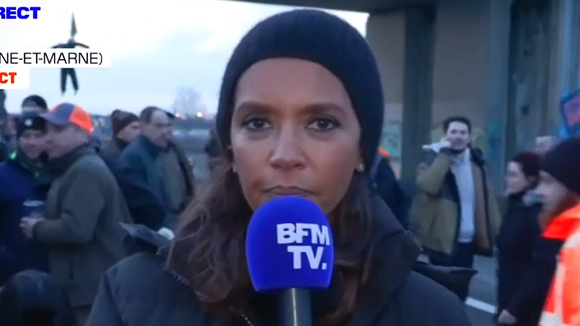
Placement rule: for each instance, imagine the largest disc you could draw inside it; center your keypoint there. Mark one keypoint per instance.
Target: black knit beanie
(28, 121)
(35, 100)
(562, 163)
(319, 37)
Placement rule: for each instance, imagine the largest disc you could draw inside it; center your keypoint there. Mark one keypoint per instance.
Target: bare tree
(188, 103)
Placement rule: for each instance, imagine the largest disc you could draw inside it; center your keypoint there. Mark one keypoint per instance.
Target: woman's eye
(256, 124)
(323, 124)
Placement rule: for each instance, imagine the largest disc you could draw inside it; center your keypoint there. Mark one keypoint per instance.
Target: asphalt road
(481, 303)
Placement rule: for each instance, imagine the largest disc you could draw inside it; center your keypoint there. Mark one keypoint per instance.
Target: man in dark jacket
(83, 209)
(22, 178)
(160, 163)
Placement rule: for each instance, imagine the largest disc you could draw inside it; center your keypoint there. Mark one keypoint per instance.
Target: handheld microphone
(289, 248)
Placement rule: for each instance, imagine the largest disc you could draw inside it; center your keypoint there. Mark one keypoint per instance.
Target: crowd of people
(86, 190)
(114, 233)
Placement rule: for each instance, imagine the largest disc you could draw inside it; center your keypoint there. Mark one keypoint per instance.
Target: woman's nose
(288, 152)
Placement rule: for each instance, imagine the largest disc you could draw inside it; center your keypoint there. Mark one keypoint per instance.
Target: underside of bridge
(504, 64)
(370, 6)
(348, 5)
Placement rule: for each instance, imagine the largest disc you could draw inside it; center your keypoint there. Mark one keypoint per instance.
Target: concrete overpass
(503, 63)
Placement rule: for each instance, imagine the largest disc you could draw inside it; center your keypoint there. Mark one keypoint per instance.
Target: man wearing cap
(83, 209)
(125, 127)
(32, 104)
(21, 178)
(161, 163)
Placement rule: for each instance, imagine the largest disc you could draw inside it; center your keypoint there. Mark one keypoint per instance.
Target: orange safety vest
(562, 307)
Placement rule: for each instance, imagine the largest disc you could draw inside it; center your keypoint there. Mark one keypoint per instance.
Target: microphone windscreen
(289, 245)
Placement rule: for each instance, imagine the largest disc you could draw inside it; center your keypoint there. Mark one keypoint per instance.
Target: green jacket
(81, 228)
(435, 213)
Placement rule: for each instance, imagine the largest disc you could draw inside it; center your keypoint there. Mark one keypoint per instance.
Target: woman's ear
(230, 156)
(360, 167)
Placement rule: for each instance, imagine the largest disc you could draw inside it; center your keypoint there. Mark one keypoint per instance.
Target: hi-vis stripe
(549, 319)
(556, 318)
(573, 241)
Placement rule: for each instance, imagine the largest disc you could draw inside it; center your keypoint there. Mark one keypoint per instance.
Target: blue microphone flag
(289, 245)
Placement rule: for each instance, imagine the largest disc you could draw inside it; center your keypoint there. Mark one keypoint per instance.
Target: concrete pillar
(529, 68)
(575, 48)
(545, 65)
(564, 56)
(471, 71)
(402, 41)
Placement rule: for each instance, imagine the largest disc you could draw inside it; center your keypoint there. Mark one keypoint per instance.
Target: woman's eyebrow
(255, 107)
(324, 107)
(252, 107)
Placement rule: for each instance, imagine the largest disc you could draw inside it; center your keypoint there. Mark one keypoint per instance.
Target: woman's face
(293, 132)
(551, 191)
(515, 179)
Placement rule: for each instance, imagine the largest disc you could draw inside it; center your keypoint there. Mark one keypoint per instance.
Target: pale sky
(156, 47)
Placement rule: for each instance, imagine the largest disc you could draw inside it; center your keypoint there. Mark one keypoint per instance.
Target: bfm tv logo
(293, 235)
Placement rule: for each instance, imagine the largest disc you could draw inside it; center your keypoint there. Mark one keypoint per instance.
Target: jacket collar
(149, 147)
(121, 144)
(59, 165)
(23, 162)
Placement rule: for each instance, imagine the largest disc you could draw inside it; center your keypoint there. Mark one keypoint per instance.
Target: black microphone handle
(294, 308)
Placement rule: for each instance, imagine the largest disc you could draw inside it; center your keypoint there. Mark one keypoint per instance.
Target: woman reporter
(301, 111)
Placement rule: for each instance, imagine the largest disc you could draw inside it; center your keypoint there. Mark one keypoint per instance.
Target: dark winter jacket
(143, 204)
(112, 149)
(18, 183)
(388, 188)
(526, 261)
(141, 156)
(395, 296)
(81, 227)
